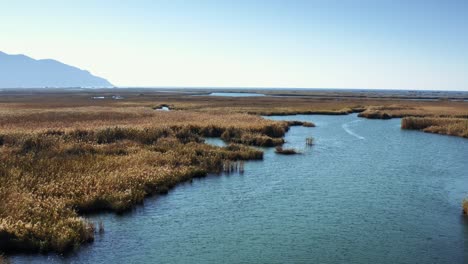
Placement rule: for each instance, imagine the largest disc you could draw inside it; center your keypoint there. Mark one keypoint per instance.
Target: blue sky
(325, 44)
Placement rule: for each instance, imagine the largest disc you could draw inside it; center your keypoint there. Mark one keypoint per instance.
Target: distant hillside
(20, 71)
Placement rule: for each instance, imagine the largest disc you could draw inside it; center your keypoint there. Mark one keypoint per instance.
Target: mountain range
(20, 71)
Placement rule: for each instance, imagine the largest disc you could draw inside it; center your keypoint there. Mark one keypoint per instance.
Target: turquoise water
(366, 192)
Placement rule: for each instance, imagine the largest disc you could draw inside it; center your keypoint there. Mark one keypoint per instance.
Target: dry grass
(285, 151)
(418, 109)
(446, 126)
(318, 103)
(308, 124)
(63, 163)
(327, 106)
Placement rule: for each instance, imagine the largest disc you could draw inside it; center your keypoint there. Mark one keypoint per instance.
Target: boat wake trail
(345, 126)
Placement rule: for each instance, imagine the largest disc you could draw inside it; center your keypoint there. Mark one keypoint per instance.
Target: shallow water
(215, 142)
(366, 192)
(163, 108)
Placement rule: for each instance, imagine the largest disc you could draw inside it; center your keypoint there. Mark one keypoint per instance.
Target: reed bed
(62, 165)
(308, 124)
(301, 123)
(285, 151)
(446, 126)
(419, 109)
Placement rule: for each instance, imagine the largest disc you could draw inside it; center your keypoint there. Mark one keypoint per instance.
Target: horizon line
(284, 88)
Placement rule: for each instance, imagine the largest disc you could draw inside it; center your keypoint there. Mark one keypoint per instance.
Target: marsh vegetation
(447, 126)
(286, 151)
(63, 155)
(62, 164)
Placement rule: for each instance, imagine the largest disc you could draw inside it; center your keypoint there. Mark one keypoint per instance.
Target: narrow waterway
(365, 192)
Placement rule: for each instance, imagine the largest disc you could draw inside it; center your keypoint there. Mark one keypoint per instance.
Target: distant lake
(365, 192)
(237, 94)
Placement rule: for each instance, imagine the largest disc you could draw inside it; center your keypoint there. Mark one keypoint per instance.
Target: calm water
(163, 108)
(366, 192)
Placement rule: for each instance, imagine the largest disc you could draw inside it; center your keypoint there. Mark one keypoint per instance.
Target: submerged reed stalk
(465, 206)
(233, 166)
(101, 227)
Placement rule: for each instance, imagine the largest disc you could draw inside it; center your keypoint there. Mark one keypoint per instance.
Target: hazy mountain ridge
(21, 71)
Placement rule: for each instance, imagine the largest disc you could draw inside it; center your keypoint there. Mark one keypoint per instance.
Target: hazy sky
(407, 44)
